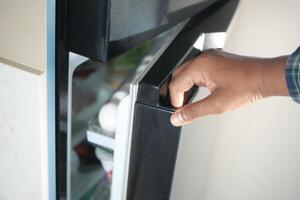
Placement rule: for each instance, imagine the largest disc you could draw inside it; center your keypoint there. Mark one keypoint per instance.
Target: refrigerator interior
(93, 84)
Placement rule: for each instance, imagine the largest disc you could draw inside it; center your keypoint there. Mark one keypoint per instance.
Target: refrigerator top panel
(131, 17)
(102, 29)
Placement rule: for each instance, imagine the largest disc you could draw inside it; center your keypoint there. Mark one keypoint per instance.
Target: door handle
(164, 92)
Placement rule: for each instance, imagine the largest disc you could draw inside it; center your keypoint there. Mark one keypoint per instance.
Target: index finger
(184, 80)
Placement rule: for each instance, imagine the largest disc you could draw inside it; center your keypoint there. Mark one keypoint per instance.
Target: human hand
(233, 81)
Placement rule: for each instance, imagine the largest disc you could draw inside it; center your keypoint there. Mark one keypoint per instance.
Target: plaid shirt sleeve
(292, 75)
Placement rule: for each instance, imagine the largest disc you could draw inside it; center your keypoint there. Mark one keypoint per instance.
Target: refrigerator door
(154, 141)
(145, 144)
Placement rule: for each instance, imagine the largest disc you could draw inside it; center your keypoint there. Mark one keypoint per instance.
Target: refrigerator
(114, 61)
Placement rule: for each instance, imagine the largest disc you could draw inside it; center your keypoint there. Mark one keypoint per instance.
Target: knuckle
(210, 52)
(172, 86)
(194, 63)
(176, 71)
(208, 55)
(190, 113)
(203, 60)
(196, 67)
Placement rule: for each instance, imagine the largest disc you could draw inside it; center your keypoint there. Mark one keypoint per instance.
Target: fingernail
(177, 105)
(176, 119)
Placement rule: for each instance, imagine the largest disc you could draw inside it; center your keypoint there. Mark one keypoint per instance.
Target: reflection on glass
(93, 84)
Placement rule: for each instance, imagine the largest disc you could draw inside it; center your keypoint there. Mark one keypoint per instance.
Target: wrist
(273, 77)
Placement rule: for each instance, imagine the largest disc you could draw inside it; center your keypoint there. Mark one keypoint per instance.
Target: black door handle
(164, 93)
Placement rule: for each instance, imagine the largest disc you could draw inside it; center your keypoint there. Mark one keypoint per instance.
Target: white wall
(23, 99)
(252, 153)
(23, 135)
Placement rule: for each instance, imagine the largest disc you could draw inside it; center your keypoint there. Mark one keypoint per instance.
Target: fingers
(207, 106)
(184, 78)
(180, 68)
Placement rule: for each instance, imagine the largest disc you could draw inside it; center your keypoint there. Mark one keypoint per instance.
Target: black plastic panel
(102, 29)
(88, 27)
(153, 154)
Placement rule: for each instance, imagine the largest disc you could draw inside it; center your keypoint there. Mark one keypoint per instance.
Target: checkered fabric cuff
(292, 75)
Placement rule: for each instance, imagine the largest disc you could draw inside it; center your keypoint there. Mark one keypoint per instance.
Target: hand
(233, 81)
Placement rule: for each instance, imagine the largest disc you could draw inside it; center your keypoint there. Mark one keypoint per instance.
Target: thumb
(190, 112)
